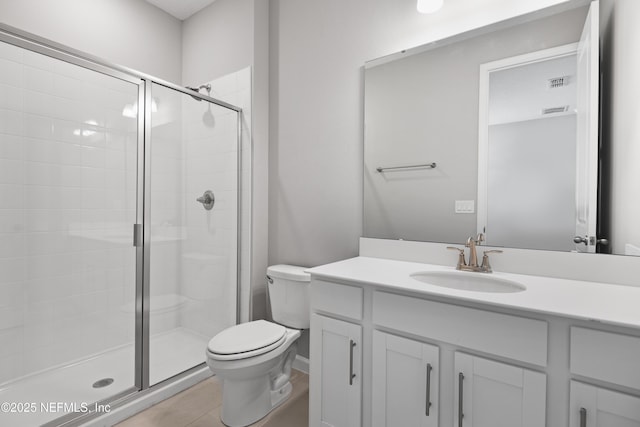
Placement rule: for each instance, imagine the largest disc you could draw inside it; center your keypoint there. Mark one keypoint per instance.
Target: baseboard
(301, 364)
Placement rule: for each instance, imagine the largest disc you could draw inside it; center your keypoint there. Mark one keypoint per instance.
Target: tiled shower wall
(67, 202)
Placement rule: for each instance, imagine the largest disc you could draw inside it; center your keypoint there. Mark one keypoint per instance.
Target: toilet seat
(246, 340)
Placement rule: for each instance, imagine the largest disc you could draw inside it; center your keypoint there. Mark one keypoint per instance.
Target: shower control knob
(207, 200)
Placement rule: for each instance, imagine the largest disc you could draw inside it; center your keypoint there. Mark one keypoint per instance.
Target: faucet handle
(486, 267)
(461, 260)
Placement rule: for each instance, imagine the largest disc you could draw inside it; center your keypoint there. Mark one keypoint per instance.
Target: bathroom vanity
(388, 349)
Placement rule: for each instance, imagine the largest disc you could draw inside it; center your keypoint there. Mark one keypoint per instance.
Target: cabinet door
(336, 373)
(405, 382)
(493, 394)
(597, 407)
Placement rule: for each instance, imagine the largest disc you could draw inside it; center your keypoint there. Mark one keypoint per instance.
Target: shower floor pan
(40, 398)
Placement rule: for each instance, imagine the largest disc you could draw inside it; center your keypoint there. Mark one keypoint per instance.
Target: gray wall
(132, 33)
(425, 108)
(315, 161)
(217, 40)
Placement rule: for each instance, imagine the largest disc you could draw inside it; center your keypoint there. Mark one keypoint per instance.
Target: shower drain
(103, 383)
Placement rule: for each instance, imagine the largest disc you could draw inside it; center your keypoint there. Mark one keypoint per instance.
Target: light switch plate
(465, 206)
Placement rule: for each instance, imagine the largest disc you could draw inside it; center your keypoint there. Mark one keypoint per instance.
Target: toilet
(254, 359)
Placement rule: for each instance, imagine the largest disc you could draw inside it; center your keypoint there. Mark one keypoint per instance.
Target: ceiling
(181, 9)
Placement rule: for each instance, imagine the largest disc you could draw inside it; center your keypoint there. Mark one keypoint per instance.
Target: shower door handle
(207, 200)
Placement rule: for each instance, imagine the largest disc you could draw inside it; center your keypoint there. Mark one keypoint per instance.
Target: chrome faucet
(472, 244)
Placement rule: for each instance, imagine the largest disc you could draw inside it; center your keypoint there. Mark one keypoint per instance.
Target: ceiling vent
(558, 82)
(555, 110)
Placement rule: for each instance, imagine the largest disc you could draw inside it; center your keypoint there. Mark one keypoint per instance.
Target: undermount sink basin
(465, 281)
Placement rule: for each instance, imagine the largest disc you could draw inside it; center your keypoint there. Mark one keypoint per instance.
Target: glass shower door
(192, 228)
(68, 165)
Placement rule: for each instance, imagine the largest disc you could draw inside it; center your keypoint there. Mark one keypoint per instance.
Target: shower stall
(119, 230)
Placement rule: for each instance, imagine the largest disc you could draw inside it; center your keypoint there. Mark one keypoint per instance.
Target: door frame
(483, 115)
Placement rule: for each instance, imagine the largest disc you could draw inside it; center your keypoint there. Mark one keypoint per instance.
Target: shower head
(197, 89)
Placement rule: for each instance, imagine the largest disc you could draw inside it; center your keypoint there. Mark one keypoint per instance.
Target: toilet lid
(247, 337)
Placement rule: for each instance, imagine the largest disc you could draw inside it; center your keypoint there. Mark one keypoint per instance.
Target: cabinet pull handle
(352, 344)
(428, 403)
(583, 417)
(460, 385)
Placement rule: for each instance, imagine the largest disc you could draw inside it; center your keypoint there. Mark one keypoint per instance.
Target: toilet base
(247, 400)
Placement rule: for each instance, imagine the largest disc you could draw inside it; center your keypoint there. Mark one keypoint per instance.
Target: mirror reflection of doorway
(537, 153)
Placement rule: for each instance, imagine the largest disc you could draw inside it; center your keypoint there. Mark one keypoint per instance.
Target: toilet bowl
(253, 360)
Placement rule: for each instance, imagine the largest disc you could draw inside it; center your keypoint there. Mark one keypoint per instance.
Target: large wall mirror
(510, 131)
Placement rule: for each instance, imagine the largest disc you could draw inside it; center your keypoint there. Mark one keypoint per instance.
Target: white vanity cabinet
(338, 348)
(426, 357)
(335, 356)
(593, 406)
(610, 357)
(493, 394)
(405, 382)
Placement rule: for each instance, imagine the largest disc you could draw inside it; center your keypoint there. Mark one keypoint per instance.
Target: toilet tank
(289, 295)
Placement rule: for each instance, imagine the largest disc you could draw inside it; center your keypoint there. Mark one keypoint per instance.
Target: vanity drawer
(504, 335)
(334, 298)
(606, 356)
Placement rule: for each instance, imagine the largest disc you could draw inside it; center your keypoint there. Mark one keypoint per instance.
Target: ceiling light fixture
(429, 6)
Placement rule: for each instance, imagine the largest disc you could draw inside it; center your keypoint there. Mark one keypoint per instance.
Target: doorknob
(207, 200)
(590, 240)
(580, 239)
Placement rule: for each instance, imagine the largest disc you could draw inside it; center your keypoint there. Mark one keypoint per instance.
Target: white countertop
(601, 302)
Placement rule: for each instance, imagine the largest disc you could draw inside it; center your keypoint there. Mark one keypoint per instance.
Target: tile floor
(199, 406)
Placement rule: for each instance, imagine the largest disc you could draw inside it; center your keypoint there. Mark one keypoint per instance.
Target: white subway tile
(68, 110)
(11, 341)
(96, 279)
(11, 122)
(12, 270)
(12, 245)
(67, 87)
(93, 157)
(38, 60)
(37, 103)
(11, 317)
(12, 221)
(38, 126)
(11, 97)
(66, 130)
(93, 136)
(11, 367)
(93, 198)
(93, 178)
(11, 196)
(40, 267)
(11, 147)
(12, 295)
(48, 243)
(11, 73)
(11, 52)
(11, 171)
(37, 79)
